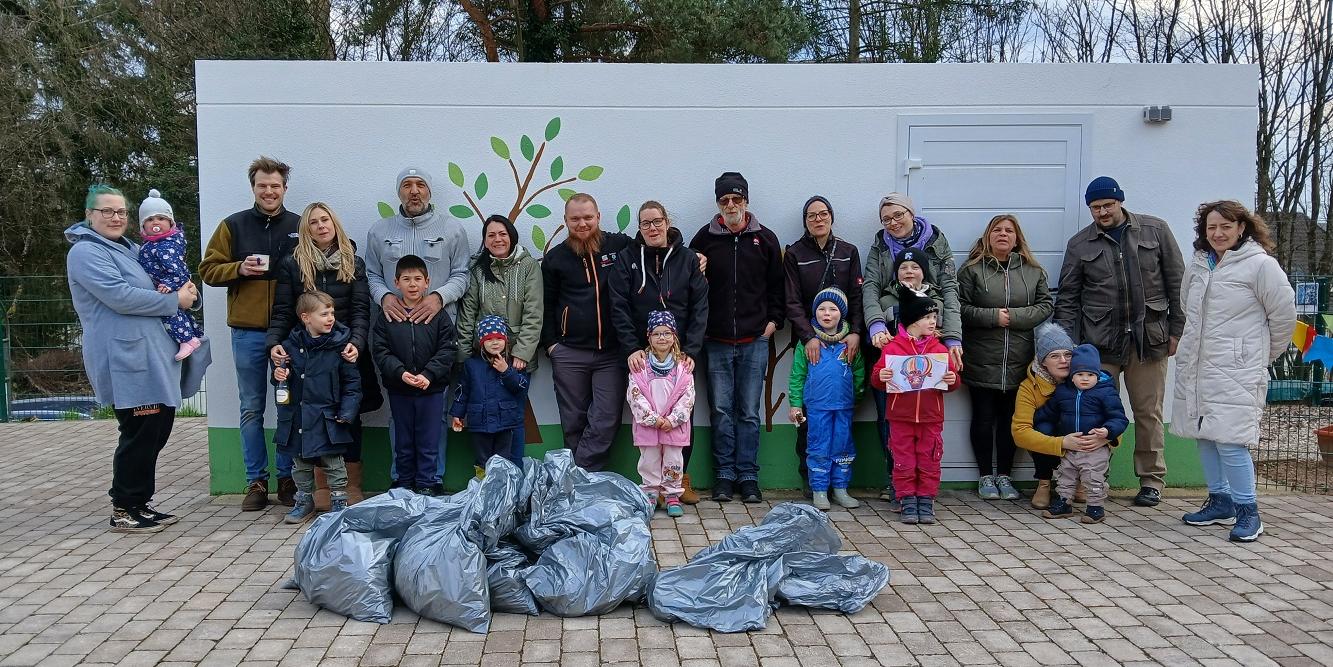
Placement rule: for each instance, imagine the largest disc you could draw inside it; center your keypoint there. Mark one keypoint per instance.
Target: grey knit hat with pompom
(1052, 337)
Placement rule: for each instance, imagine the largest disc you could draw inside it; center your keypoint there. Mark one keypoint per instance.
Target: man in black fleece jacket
(587, 364)
(746, 302)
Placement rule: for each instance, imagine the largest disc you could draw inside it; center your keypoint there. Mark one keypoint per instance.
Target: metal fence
(1292, 453)
(42, 363)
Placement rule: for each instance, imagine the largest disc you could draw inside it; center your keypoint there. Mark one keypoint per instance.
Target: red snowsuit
(916, 421)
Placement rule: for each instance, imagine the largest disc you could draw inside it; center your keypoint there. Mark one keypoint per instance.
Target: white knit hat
(154, 205)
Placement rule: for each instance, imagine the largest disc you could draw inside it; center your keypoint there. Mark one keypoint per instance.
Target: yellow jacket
(1032, 394)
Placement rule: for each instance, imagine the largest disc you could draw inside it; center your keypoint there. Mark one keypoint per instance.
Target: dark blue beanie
(1086, 359)
(1103, 187)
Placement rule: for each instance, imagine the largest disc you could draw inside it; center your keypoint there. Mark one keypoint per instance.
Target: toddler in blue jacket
(492, 394)
(1088, 402)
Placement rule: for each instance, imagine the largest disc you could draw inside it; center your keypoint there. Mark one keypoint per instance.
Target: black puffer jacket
(577, 294)
(351, 302)
(809, 269)
(427, 349)
(746, 287)
(648, 279)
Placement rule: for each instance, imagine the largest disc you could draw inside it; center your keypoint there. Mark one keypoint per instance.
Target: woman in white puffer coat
(1239, 315)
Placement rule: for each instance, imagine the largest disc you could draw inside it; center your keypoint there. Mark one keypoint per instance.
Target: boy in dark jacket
(322, 398)
(491, 394)
(414, 361)
(1088, 402)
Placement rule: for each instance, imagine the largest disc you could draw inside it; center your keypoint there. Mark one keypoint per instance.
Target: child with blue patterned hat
(661, 398)
(491, 394)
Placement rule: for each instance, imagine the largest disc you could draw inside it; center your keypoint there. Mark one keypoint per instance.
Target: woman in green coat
(504, 280)
(1003, 295)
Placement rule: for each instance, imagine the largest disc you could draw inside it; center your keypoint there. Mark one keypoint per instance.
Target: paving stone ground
(993, 583)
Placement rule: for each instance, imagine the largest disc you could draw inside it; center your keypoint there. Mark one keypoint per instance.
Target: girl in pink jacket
(661, 396)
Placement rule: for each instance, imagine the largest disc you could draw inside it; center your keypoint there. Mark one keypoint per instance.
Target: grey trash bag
(440, 573)
(592, 573)
(494, 501)
(504, 565)
(828, 581)
(567, 500)
(344, 562)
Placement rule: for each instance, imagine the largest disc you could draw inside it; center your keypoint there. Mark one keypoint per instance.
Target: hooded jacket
(241, 234)
(325, 395)
(1123, 301)
(442, 244)
(487, 400)
(1074, 410)
(648, 279)
(879, 287)
(351, 302)
(516, 295)
(919, 407)
(408, 347)
(997, 357)
(1239, 316)
(577, 296)
(746, 285)
(832, 383)
(808, 268)
(1032, 394)
(653, 397)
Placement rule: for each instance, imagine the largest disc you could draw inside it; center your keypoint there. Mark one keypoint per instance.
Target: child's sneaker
(1059, 508)
(925, 509)
(986, 488)
(909, 510)
(674, 508)
(1218, 509)
(337, 501)
(820, 499)
(1006, 488)
(654, 500)
(1093, 514)
(841, 497)
(304, 508)
(1248, 526)
(130, 521)
(187, 348)
(160, 517)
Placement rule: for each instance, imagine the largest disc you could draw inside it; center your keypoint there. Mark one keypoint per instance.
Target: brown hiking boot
(688, 495)
(256, 496)
(286, 491)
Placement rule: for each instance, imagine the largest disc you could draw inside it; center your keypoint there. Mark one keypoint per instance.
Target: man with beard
(746, 304)
(587, 364)
(418, 229)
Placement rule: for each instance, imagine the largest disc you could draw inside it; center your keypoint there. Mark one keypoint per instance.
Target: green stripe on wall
(777, 459)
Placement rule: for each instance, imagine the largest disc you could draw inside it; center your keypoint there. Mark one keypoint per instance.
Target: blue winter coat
(127, 353)
(489, 401)
(1071, 410)
(324, 389)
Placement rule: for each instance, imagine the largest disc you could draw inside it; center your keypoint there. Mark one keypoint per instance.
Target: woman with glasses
(816, 261)
(1004, 295)
(504, 280)
(657, 271)
(128, 355)
(904, 229)
(325, 260)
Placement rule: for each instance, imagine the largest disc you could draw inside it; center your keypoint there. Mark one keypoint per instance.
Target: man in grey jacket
(418, 229)
(1120, 291)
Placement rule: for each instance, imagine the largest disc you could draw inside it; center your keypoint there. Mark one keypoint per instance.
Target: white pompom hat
(154, 205)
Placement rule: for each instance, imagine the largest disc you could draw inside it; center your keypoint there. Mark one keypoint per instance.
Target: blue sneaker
(987, 489)
(925, 509)
(1218, 509)
(1059, 508)
(337, 501)
(1248, 526)
(909, 510)
(303, 509)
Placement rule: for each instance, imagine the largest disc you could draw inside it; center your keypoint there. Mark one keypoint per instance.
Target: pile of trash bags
(790, 557)
(550, 536)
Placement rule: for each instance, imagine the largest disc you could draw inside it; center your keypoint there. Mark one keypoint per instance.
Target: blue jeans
(252, 379)
(735, 389)
(1228, 470)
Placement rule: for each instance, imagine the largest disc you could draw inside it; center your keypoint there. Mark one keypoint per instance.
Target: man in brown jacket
(1120, 291)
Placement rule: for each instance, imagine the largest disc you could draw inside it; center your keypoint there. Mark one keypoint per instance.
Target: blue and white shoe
(304, 508)
(337, 501)
(1248, 526)
(987, 489)
(1005, 487)
(1216, 510)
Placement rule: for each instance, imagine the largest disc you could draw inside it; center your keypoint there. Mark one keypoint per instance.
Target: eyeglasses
(731, 200)
(662, 334)
(657, 223)
(894, 217)
(114, 212)
(1103, 207)
(1060, 356)
(818, 215)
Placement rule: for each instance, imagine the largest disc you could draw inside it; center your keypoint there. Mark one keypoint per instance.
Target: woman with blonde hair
(1003, 293)
(325, 260)
(1239, 314)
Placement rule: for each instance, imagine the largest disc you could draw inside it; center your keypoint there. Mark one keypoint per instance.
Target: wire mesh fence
(42, 360)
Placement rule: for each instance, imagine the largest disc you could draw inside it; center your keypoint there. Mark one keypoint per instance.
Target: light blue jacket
(127, 353)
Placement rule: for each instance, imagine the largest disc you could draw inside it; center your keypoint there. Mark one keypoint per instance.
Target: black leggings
(992, 416)
(1045, 465)
(143, 434)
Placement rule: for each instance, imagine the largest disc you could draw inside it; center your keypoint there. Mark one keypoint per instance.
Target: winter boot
(1248, 526)
(925, 509)
(354, 492)
(1059, 509)
(688, 495)
(337, 501)
(256, 496)
(820, 499)
(1218, 509)
(1093, 514)
(841, 497)
(302, 509)
(286, 491)
(909, 510)
(1041, 498)
(321, 490)
(750, 492)
(722, 490)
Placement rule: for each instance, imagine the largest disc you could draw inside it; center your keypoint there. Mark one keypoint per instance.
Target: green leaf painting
(566, 193)
(386, 211)
(622, 218)
(552, 128)
(538, 238)
(500, 147)
(525, 145)
(590, 173)
(460, 211)
(538, 211)
(482, 185)
(557, 168)
(455, 175)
